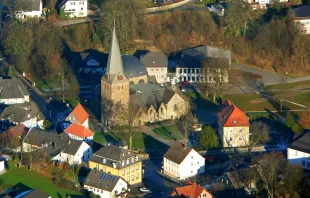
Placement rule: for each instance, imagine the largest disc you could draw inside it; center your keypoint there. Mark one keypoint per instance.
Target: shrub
(297, 128)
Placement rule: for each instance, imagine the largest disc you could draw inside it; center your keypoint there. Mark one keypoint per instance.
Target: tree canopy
(208, 137)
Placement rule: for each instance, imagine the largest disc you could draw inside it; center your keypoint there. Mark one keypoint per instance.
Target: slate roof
(101, 180)
(301, 143)
(28, 5)
(17, 114)
(148, 94)
(235, 179)
(12, 88)
(84, 57)
(113, 154)
(155, 59)
(232, 116)
(191, 190)
(302, 11)
(79, 130)
(177, 153)
(12, 132)
(80, 113)
(133, 66)
(37, 194)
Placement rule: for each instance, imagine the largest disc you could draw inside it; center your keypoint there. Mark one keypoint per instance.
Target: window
(137, 175)
(104, 160)
(72, 3)
(296, 153)
(197, 71)
(137, 167)
(128, 179)
(123, 171)
(123, 163)
(97, 167)
(127, 161)
(137, 158)
(81, 8)
(180, 71)
(151, 111)
(175, 107)
(81, 3)
(185, 71)
(161, 109)
(240, 138)
(132, 169)
(132, 160)
(132, 177)
(303, 162)
(128, 170)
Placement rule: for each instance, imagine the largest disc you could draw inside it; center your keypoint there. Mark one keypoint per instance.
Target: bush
(47, 124)
(297, 128)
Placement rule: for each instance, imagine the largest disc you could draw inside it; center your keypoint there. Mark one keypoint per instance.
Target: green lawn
(243, 101)
(303, 98)
(33, 180)
(289, 85)
(100, 137)
(169, 132)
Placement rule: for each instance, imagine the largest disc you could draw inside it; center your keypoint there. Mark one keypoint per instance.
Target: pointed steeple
(115, 66)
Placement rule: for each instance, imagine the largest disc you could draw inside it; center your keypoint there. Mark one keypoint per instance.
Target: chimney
(184, 145)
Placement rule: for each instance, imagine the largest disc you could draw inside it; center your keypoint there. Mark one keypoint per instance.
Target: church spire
(115, 64)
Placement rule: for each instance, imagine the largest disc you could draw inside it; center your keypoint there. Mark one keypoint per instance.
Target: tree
(47, 124)
(128, 15)
(304, 119)
(186, 123)
(110, 111)
(289, 121)
(259, 134)
(64, 73)
(269, 166)
(292, 177)
(129, 119)
(216, 73)
(208, 137)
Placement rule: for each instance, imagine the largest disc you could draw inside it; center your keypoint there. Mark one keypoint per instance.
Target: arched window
(141, 81)
(131, 82)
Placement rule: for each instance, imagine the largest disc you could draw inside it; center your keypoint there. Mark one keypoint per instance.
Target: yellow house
(118, 161)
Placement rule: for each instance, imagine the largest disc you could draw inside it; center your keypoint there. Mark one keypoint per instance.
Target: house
(105, 185)
(218, 9)
(36, 193)
(2, 166)
(12, 137)
(262, 4)
(29, 9)
(191, 190)
(90, 62)
(118, 161)
(14, 115)
(72, 8)
(60, 147)
(298, 152)
(12, 91)
(233, 126)
(302, 19)
(79, 132)
(79, 116)
(181, 162)
(126, 82)
(156, 64)
(203, 64)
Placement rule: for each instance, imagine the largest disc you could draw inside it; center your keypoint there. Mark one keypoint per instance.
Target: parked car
(185, 83)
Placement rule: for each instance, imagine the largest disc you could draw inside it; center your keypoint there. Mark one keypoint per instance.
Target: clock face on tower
(120, 77)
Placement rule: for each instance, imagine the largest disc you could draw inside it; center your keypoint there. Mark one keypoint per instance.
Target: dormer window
(235, 121)
(127, 161)
(132, 160)
(136, 158)
(153, 61)
(104, 160)
(123, 163)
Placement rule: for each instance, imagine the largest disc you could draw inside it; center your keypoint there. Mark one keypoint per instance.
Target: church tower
(115, 84)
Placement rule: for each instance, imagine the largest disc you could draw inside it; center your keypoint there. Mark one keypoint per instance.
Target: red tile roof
(15, 131)
(79, 130)
(80, 113)
(191, 190)
(232, 116)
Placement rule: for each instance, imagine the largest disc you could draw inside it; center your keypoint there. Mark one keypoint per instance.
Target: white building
(29, 8)
(73, 8)
(78, 116)
(298, 153)
(191, 67)
(156, 64)
(92, 62)
(13, 91)
(303, 18)
(181, 162)
(105, 185)
(79, 132)
(75, 152)
(2, 166)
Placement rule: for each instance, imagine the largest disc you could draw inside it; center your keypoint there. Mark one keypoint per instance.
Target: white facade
(82, 155)
(298, 158)
(2, 166)
(15, 100)
(192, 165)
(75, 137)
(33, 122)
(303, 24)
(120, 187)
(31, 14)
(234, 136)
(76, 8)
(160, 73)
(86, 123)
(93, 66)
(194, 75)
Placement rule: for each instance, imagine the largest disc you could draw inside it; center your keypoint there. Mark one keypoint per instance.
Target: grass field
(247, 103)
(289, 85)
(33, 180)
(168, 132)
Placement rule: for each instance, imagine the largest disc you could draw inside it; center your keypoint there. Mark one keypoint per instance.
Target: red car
(185, 83)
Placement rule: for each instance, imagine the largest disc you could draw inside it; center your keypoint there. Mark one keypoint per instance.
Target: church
(126, 81)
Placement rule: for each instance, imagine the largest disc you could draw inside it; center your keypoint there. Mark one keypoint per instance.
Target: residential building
(298, 152)
(12, 137)
(59, 147)
(118, 161)
(182, 162)
(90, 62)
(79, 116)
(233, 126)
(263, 4)
(29, 9)
(36, 193)
(73, 8)
(156, 64)
(302, 19)
(126, 82)
(191, 190)
(203, 64)
(2, 166)
(12, 91)
(105, 185)
(218, 9)
(80, 132)
(14, 115)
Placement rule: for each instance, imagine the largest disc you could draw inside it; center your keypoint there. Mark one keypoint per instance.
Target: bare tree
(110, 111)
(64, 73)
(129, 118)
(216, 74)
(186, 123)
